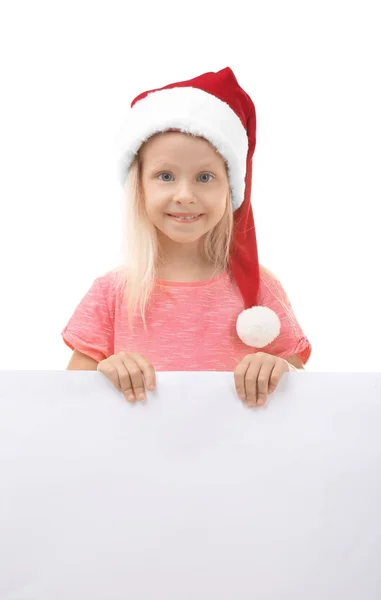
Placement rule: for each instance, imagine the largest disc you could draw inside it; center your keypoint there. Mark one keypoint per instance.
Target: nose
(183, 193)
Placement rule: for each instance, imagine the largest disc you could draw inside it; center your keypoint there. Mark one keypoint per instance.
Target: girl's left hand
(258, 375)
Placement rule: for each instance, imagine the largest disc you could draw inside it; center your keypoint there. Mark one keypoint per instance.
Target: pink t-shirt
(191, 326)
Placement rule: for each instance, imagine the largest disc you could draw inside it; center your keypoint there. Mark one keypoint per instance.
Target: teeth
(187, 218)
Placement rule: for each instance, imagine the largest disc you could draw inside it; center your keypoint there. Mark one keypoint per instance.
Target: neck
(186, 273)
(180, 255)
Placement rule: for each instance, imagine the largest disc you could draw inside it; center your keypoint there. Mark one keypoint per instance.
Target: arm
(295, 361)
(81, 362)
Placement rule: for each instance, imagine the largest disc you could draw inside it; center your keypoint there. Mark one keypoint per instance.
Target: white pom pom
(258, 326)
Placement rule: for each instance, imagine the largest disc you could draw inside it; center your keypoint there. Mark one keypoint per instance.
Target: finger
(276, 375)
(147, 369)
(239, 378)
(125, 383)
(251, 382)
(136, 376)
(263, 380)
(109, 368)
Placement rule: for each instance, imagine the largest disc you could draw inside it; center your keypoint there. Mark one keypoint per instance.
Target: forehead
(174, 145)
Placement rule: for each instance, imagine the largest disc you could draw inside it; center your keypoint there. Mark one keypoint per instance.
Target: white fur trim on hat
(258, 326)
(190, 110)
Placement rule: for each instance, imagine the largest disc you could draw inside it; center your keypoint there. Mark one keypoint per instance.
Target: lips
(185, 217)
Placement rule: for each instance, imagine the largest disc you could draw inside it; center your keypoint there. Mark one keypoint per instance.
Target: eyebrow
(160, 163)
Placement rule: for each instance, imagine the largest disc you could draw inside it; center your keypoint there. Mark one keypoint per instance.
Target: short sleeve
(291, 339)
(90, 329)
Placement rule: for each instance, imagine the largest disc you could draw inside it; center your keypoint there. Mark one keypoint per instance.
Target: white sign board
(190, 495)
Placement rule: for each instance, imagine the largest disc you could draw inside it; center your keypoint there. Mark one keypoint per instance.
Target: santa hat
(215, 107)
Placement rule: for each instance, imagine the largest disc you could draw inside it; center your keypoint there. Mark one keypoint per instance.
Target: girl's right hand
(126, 373)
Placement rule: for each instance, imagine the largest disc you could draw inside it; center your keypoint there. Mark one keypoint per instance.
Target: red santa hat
(215, 107)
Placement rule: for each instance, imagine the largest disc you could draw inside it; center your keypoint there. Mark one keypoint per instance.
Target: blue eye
(164, 174)
(167, 177)
(207, 175)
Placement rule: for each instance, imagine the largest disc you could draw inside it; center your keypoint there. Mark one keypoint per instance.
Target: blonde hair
(141, 250)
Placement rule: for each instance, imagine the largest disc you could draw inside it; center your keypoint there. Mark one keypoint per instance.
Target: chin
(183, 239)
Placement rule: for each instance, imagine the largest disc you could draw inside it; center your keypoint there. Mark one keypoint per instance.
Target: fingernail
(242, 396)
(130, 397)
(151, 386)
(141, 397)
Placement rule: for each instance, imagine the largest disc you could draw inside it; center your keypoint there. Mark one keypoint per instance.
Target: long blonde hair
(141, 250)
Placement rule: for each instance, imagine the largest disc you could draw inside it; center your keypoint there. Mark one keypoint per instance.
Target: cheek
(216, 206)
(155, 213)
(155, 202)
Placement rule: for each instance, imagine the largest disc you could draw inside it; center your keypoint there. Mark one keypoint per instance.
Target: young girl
(191, 295)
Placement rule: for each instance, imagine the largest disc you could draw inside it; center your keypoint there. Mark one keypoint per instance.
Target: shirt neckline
(201, 283)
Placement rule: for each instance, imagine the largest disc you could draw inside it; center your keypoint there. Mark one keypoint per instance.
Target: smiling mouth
(185, 218)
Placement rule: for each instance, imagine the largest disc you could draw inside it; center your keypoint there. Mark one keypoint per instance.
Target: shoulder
(268, 279)
(111, 280)
(265, 273)
(109, 286)
(271, 288)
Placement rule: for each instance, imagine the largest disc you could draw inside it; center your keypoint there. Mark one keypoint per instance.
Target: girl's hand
(258, 375)
(126, 373)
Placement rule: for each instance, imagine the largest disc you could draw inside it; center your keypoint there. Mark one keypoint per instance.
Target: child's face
(183, 174)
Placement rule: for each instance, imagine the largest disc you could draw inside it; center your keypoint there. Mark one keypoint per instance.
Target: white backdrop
(191, 495)
(70, 69)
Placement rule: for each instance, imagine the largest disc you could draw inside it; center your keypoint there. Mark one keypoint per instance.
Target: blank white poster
(189, 495)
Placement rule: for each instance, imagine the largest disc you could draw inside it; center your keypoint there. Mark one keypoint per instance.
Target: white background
(69, 71)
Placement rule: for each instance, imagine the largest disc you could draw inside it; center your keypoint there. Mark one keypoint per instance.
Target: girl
(190, 295)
